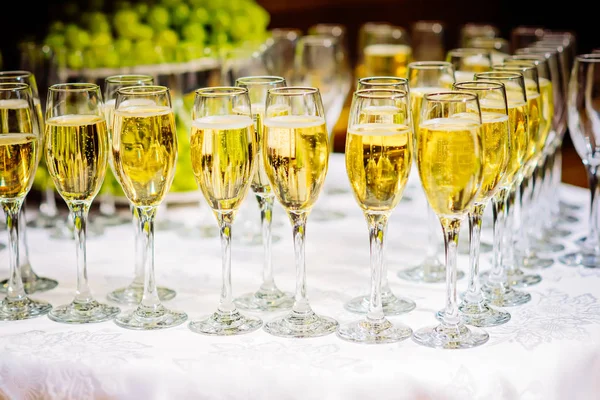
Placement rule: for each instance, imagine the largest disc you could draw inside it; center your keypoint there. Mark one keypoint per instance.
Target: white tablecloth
(549, 350)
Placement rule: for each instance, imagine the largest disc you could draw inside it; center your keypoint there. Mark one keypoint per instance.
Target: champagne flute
(584, 111)
(498, 47)
(223, 147)
(495, 138)
(497, 288)
(48, 211)
(450, 163)
(279, 56)
(19, 146)
(472, 30)
(468, 61)
(144, 150)
(524, 36)
(392, 305)
(268, 297)
(365, 31)
(378, 156)
(132, 294)
(428, 77)
(76, 149)
(296, 157)
(387, 51)
(427, 39)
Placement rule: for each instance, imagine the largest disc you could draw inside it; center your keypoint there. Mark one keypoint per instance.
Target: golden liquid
(534, 103)
(387, 59)
(450, 164)
(144, 148)
(76, 155)
(378, 160)
(416, 101)
(296, 155)
(548, 110)
(223, 150)
(383, 115)
(16, 117)
(18, 161)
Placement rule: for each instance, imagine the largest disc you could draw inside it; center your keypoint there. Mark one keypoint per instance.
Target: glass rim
(74, 87)
(451, 96)
(378, 93)
(293, 91)
(546, 51)
(17, 73)
(469, 51)
(260, 80)
(588, 57)
(368, 79)
(527, 67)
(314, 39)
(499, 75)
(142, 90)
(128, 78)
(331, 25)
(429, 65)
(13, 86)
(534, 57)
(221, 91)
(482, 85)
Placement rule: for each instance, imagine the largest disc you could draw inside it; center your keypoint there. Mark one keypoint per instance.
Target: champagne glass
(132, 294)
(538, 129)
(48, 211)
(296, 157)
(378, 156)
(468, 61)
(428, 77)
(584, 111)
(427, 39)
(524, 36)
(392, 305)
(450, 164)
(498, 47)
(268, 297)
(223, 147)
(472, 30)
(387, 51)
(365, 31)
(495, 139)
(243, 61)
(19, 147)
(144, 151)
(76, 149)
(279, 56)
(497, 288)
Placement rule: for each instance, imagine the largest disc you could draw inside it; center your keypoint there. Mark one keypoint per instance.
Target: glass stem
(592, 241)
(225, 219)
(451, 229)
(301, 304)
(266, 218)
(27, 273)
(48, 206)
(15, 290)
(508, 255)
(499, 224)
(138, 278)
(79, 212)
(108, 205)
(556, 184)
(150, 301)
(377, 227)
(548, 196)
(432, 243)
(473, 294)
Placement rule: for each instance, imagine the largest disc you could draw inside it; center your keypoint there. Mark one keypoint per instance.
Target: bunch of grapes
(89, 35)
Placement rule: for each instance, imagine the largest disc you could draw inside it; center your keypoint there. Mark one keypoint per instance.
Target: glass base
(392, 305)
(319, 214)
(301, 325)
(588, 260)
(451, 337)
(199, 231)
(372, 332)
(517, 278)
(569, 206)
(557, 233)
(254, 239)
(265, 300)
(568, 219)
(546, 246)
(147, 318)
(168, 225)
(32, 285)
(226, 323)
(535, 262)
(501, 295)
(15, 310)
(83, 313)
(63, 231)
(479, 314)
(115, 219)
(43, 221)
(436, 273)
(132, 294)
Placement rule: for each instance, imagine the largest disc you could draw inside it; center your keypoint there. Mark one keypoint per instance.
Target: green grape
(57, 27)
(219, 39)
(143, 32)
(76, 38)
(55, 40)
(101, 39)
(125, 22)
(74, 59)
(142, 10)
(180, 14)
(144, 52)
(170, 3)
(98, 23)
(200, 15)
(123, 46)
(194, 33)
(241, 28)
(112, 59)
(221, 20)
(158, 17)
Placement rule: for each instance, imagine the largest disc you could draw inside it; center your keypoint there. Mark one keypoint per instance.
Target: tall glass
(379, 151)
(450, 163)
(279, 56)
(524, 36)
(268, 297)
(132, 294)
(386, 51)
(296, 157)
(365, 31)
(472, 30)
(20, 138)
(427, 38)
(144, 151)
(584, 110)
(497, 288)
(498, 47)
(495, 139)
(224, 150)
(468, 61)
(48, 215)
(428, 77)
(76, 149)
